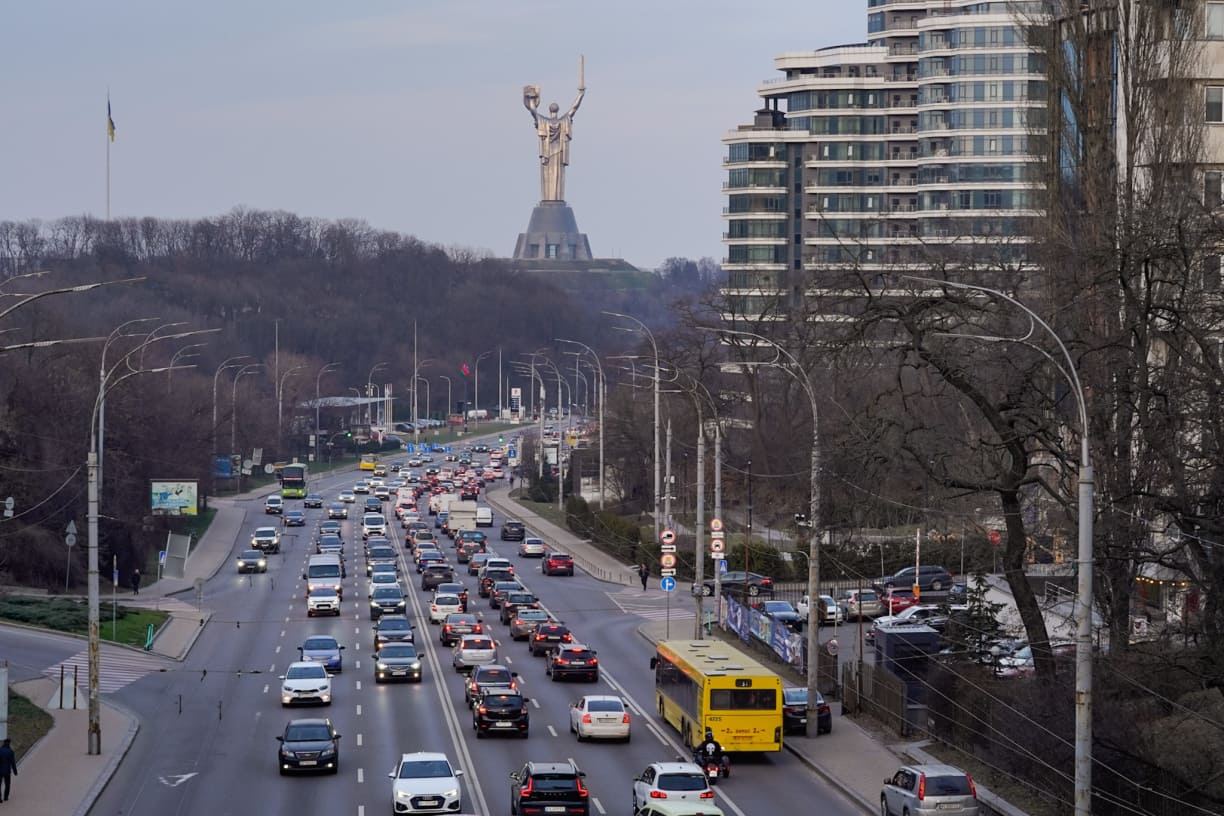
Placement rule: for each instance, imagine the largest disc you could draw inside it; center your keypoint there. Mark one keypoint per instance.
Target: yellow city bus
(702, 684)
(368, 461)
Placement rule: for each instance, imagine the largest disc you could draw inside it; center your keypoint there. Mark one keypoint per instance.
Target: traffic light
(348, 434)
(499, 439)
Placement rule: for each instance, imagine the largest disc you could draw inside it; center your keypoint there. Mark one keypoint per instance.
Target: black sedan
(740, 583)
(309, 745)
(313, 500)
(795, 713)
(252, 561)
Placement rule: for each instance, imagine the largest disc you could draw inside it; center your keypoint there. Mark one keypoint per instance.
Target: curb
(199, 630)
(104, 778)
(102, 641)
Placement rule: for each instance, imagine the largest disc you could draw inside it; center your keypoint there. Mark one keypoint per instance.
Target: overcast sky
(405, 113)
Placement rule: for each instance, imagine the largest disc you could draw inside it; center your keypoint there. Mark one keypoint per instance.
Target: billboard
(516, 400)
(174, 498)
(223, 468)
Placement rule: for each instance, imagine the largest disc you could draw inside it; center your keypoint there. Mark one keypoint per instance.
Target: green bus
(293, 481)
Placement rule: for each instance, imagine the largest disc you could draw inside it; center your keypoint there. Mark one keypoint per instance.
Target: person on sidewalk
(136, 582)
(8, 769)
(644, 574)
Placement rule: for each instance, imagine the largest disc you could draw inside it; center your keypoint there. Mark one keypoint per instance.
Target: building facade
(866, 160)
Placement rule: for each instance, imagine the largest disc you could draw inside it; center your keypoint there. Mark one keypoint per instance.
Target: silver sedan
(473, 650)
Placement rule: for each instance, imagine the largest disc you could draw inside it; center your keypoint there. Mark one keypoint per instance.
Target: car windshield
(947, 786)
(778, 606)
(384, 578)
(437, 568)
(397, 651)
(447, 600)
(320, 644)
(381, 552)
(314, 732)
(605, 705)
(313, 671)
(425, 769)
(560, 557)
(794, 696)
(477, 643)
(265, 532)
(681, 782)
(503, 700)
(251, 554)
(533, 614)
(387, 592)
(461, 619)
(394, 625)
(323, 592)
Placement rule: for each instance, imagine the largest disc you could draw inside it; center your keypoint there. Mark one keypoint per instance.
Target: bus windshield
(293, 481)
(368, 461)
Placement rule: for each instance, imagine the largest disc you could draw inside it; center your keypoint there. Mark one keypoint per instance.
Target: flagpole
(108, 144)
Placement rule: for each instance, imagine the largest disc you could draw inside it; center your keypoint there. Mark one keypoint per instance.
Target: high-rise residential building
(912, 148)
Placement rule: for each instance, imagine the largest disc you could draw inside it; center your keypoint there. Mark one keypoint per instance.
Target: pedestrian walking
(8, 769)
(136, 581)
(644, 574)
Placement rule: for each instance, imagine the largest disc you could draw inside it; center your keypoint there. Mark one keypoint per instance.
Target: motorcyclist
(711, 750)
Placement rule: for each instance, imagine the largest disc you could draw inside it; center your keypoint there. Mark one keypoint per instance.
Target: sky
(406, 114)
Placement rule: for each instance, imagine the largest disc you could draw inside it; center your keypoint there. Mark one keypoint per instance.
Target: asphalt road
(207, 744)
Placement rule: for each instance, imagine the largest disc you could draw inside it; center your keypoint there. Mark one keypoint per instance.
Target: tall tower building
(913, 146)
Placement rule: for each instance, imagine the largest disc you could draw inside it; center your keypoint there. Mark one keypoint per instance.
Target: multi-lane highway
(207, 744)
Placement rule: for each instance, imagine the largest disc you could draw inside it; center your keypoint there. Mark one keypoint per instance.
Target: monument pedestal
(552, 234)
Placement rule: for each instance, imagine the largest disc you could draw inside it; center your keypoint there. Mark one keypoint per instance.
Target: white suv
(425, 782)
(373, 524)
(674, 781)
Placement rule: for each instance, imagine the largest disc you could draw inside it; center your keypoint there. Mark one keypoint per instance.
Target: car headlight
(262, 562)
(327, 752)
(286, 690)
(452, 792)
(415, 666)
(373, 602)
(382, 666)
(399, 794)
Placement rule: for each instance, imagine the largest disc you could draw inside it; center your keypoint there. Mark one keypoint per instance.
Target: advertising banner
(173, 498)
(223, 468)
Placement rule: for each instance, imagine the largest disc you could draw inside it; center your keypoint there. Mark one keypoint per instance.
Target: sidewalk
(57, 776)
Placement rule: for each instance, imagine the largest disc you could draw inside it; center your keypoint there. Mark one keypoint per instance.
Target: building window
(1215, 103)
(1213, 194)
(1215, 21)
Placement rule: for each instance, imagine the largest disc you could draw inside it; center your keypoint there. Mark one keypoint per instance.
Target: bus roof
(713, 658)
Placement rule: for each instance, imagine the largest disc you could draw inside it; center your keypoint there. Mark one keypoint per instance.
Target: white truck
(462, 516)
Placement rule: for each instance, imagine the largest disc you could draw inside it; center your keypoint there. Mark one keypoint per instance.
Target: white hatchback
(473, 650)
(425, 782)
(599, 715)
(443, 605)
(682, 781)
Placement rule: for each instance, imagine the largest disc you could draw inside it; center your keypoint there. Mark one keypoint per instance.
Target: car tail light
(594, 660)
(921, 787)
(539, 637)
(528, 788)
(433, 607)
(479, 629)
(561, 661)
(446, 628)
(582, 791)
(625, 719)
(567, 637)
(586, 718)
(706, 794)
(972, 787)
(658, 794)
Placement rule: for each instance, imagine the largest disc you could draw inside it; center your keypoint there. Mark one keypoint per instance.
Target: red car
(558, 564)
(898, 600)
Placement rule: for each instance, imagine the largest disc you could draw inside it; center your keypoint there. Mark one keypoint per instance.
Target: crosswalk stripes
(652, 605)
(116, 668)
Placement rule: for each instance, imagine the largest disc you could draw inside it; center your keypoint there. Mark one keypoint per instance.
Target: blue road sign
(668, 584)
(161, 557)
(722, 565)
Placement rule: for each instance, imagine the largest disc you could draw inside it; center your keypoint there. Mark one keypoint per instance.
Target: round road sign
(269, 469)
(716, 524)
(668, 537)
(995, 538)
(667, 560)
(70, 539)
(831, 647)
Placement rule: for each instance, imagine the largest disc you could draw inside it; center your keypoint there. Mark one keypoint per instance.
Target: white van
(373, 524)
(324, 571)
(484, 516)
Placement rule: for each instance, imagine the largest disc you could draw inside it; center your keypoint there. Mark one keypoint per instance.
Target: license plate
(398, 672)
(431, 803)
(948, 806)
(503, 723)
(555, 809)
(803, 720)
(308, 762)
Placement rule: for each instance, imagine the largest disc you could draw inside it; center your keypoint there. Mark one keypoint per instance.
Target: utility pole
(667, 499)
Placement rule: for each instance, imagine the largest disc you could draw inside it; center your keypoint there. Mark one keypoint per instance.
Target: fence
(868, 689)
(754, 627)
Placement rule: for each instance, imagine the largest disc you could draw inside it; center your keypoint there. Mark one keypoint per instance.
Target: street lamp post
(1085, 561)
(318, 377)
(427, 399)
(225, 365)
(476, 399)
(654, 346)
(185, 353)
(280, 394)
(107, 381)
(792, 366)
(369, 412)
(242, 372)
(601, 389)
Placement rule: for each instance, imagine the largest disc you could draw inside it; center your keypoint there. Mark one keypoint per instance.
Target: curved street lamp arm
(85, 287)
